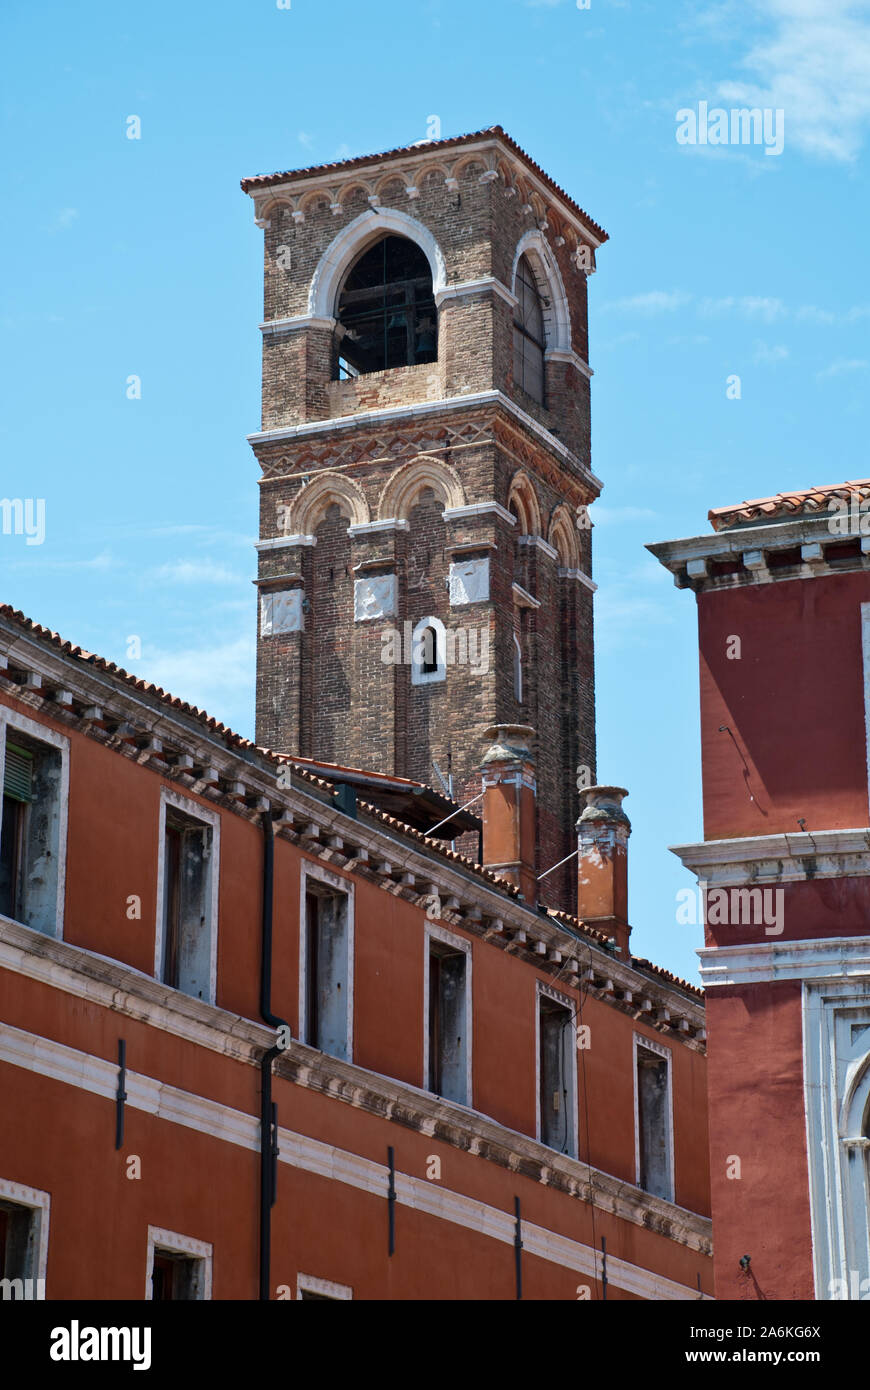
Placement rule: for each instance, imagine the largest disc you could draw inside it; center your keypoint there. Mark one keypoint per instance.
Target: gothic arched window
(529, 340)
(386, 310)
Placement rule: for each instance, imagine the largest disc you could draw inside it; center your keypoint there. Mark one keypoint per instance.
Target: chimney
(602, 873)
(509, 828)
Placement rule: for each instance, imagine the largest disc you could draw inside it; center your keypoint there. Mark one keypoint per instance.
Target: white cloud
(842, 365)
(748, 307)
(808, 313)
(217, 678)
(769, 356)
(195, 572)
(653, 302)
(813, 63)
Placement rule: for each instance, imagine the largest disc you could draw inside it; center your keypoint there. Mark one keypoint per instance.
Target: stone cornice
(412, 165)
(563, 355)
(467, 287)
(276, 328)
(129, 993)
(692, 560)
(287, 434)
(778, 859)
(836, 958)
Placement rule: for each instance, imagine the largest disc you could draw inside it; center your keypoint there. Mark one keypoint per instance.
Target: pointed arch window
(529, 338)
(386, 310)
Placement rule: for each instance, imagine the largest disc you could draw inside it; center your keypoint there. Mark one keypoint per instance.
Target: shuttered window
(18, 773)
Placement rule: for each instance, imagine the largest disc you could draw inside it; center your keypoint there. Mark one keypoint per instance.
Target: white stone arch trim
(310, 506)
(855, 1112)
(563, 538)
(557, 317)
(355, 238)
(405, 485)
(525, 498)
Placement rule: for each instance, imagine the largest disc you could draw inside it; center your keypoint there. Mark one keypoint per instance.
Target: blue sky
(141, 257)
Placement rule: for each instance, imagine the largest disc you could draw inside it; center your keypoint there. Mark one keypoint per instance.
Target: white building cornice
(764, 962)
(390, 414)
(778, 859)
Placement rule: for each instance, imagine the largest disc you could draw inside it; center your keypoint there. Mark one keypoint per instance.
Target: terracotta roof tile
(265, 180)
(785, 504)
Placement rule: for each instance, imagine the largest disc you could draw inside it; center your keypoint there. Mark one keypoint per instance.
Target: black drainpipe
(268, 1112)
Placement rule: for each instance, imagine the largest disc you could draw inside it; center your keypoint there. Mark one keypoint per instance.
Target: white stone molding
(468, 287)
(40, 1205)
(323, 1288)
(353, 240)
(557, 316)
(759, 860)
(161, 1239)
(762, 962)
(836, 1021)
(641, 1040)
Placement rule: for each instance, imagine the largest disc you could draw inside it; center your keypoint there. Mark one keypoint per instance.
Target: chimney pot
(602, 864)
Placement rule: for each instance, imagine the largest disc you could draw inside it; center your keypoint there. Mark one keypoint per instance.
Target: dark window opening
(30, 833)
(447, 1024)
(654, 1121)
(529, 338)
(176, 1278)
(187, 905)
(327, 971)
(556, 1078)
(429, 649)
(19, 1234)
(386, 311)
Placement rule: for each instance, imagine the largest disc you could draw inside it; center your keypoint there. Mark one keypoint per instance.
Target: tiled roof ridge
(265, 180)
(794, 502)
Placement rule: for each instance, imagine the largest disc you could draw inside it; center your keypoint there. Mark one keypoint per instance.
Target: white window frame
(418, 675)
(173, 1243)
(518, 669)
(865, 645)
(207, 817)
(543, 990)
(306, 1283)
(40, 1204)
(434, 932)
(641, 1040)
(320, 874)
(40, 733)
(836, 1029)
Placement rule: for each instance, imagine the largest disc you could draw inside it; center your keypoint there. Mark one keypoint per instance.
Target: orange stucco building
(385, 1171)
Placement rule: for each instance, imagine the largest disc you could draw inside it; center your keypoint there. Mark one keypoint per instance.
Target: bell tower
(424, 554)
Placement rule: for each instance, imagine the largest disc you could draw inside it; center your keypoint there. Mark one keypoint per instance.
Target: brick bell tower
(424, 553)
